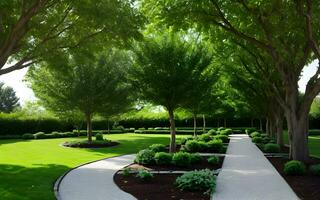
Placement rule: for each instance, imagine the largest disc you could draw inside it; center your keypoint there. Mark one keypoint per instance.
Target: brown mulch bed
(161, 187)
(307, 187)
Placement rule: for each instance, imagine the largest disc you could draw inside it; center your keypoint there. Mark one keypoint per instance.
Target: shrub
(215, 146)
(315, 169)
(205, 137)
(250, 130)
(202, 180)
(257, 139)
(226, 132)
(144, 175)
(145, 156)
(271, 148)
(40, 135)
(126, 172)
(220, 128)
(99, 136)
(27, 136)
(295, 168)
(192, 146)
(224, 138)
(181, 159)
(266, 140)
(212, 132)
(195, 158)
(255, 134)
(213, 160)
(92, 144)
(157, 147)
(163, 158)
(203, 146)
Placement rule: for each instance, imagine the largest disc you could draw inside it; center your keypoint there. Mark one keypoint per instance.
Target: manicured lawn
(29, 168)
(314, 144)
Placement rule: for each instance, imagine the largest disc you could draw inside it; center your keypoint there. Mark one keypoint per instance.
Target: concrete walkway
(247, 175)
(94, 181)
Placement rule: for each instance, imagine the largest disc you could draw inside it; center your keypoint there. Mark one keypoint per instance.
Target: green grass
(314, 144)
(29, 168)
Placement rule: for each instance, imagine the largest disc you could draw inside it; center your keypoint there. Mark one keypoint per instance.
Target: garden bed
(93, 144)
(160, 187)
(307, 186)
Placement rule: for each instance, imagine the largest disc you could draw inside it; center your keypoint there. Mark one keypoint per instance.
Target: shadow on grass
(29, 183)
(10, 141)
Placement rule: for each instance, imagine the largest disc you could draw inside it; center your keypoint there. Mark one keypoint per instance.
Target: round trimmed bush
(215, 146)
(255, 134)
(271, 148)
(250, 130)
(205, 137)
(192, 146)
(224, 138)
(144, 175)
(212, 132)
(181, 159)
(195, 158)
(157, 147)
(257, 140)
(315, 169)
(213, 160)
(145, 156)
(202, 180)
(203, 146)
(99, 136)
(294, 168)
(163, 158)
(226, 132)
(40, 135)
(27, 136)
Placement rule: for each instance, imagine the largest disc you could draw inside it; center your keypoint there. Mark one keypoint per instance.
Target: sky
(16, 81)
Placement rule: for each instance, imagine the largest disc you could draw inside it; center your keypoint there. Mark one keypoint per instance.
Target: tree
(163, 68)
(88, 83)
(8, 99)
(43, 30)
(315, 108)
(285, 31)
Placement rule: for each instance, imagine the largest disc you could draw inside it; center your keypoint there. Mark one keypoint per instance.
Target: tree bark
(194, 125)
(279, 126)
(204, 123)
(173, 132)
(260, 121)
(89, 127)
(267, 126)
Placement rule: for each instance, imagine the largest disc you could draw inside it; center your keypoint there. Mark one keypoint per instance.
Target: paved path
(94, 181)
(247, 175)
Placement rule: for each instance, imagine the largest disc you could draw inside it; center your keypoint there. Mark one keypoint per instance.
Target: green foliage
(195, 146)
(8, 99)
(212, 132)
(257, 139)
(157, 148)
(40, 135)
(226, 132)
(99, 136)
(195, 158)
(144, 175)
(214, 160)
(255, 134)
(205, 137)
(315, 108)
(224, 138)
(215, 146)
(271, 148)
(89, 144)
(126, 172)
(145, 156)
(163, 158)
(315, 169)
(181, 159)
(294, 168)
(27, 136)
(202, 180)
(250, 130)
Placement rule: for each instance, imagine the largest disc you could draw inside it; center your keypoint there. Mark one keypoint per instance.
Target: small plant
(202, 180)
(224, 138)
(250, 130)
(40, 135)
(226, 132)
(213, 160)
(192, 146)
(27, 136)
(144, 175)
(157, 147)
(205, 137)
(163, 158)
(315, 169)
(181, 159)
(294, 168)
(212, 132)
(126, 172)
(271, 148)
(145, 156)
(255, 134)
(195, 158)
(257, 139)
(99, 136)
(215, 146)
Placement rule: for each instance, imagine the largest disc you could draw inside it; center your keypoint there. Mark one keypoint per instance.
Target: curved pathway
(94, 181)
(247, 175)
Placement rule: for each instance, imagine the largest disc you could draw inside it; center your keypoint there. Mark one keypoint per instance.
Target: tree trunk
(260, 121)
(173, 132)
(194, 125)
(225, 122)
(204, 123)
(279, 132)
(108, 125)
(251, 122)
(218, 123)
(267, 126)
(89, 127)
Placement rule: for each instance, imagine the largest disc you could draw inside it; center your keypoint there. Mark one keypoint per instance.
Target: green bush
(202, 180)
(99, 136)
(213, 160)
(145, 156)
(271, 148)
(255, 134)
(204, 137)
(220, 128)
(184, 140)
(40, 135)
(250, 130)
(157, 147)
(126, 172)
(181, 159)
(257, 139)
(195, 158)
(294, 168)
(144, 175)
(226, 132)
(27, 136)
(192, 146)
(224, 138)
(87, 144)
(315, 169)
(212, 132)
(215, 146)
(163, 158)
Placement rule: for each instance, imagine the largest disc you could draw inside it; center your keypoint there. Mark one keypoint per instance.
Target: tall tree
(162, 72)
(88, 83)
(32, 31)
(8, 99)
(284, 30)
